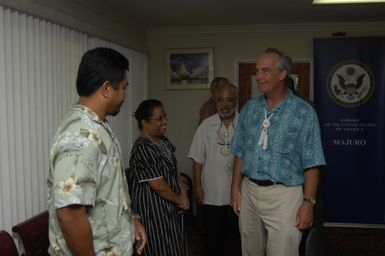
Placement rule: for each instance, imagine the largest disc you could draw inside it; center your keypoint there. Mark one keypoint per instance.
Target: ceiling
(166, 13)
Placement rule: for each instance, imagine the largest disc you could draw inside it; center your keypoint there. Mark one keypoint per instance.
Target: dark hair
(217, 82)
(289, 82)
(97, 66)
(233, 87)
(145, 110)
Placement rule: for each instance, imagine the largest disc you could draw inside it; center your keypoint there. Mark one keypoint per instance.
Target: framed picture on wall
(188, 69)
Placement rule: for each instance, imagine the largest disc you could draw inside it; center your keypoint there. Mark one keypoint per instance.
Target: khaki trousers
(267, 219)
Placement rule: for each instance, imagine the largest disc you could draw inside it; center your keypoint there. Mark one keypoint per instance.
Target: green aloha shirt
(85, 169)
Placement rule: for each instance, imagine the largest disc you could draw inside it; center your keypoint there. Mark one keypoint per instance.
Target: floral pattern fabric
(85, 169)
(294, 140)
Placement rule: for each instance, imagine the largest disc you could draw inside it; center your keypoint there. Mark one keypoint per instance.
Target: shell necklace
(263, 138)
(224, 138)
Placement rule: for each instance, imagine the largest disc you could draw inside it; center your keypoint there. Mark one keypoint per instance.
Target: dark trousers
(221, 227)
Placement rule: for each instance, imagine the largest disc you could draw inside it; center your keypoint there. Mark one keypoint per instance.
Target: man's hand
(199, 195)
(236, 199)
(140, 237)
(236, 185)
(304, 219)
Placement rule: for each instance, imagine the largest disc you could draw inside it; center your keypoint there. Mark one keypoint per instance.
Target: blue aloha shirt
(294, 140)
(85, 169)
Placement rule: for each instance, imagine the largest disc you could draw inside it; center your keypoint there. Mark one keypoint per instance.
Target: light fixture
(347, 1)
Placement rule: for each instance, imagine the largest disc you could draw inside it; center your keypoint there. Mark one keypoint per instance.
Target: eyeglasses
(159, 119)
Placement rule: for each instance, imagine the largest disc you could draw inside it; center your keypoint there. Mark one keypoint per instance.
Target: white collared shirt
(217, 170)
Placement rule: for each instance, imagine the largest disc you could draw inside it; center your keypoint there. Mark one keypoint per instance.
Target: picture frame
(189, 69)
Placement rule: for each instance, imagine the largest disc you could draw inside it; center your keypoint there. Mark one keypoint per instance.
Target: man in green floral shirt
(88, 199)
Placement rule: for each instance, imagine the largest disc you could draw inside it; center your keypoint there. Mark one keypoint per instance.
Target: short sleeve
(147, 162)
(312, 151)
(238, 141)
(197, 150)
(75, 176)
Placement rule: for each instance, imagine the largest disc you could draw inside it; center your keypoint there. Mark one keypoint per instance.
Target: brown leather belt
(265, 183)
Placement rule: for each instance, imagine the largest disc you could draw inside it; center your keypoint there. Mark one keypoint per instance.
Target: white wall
(231, 44)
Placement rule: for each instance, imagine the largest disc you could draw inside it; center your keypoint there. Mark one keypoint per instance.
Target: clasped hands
(183, 201)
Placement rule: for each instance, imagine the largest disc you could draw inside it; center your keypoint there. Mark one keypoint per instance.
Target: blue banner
(349, 94)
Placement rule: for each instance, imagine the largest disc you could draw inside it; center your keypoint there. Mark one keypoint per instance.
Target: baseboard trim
(353, 225)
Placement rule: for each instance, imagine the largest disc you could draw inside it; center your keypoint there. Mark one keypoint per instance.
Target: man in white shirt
(213, 164)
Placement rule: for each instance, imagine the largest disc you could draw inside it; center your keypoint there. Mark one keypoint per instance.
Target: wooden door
(246, 75)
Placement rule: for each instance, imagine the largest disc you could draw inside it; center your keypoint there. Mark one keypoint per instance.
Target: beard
(225, 112)
(117, 110)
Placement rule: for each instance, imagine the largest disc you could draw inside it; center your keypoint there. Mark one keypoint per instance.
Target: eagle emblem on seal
(350, 83)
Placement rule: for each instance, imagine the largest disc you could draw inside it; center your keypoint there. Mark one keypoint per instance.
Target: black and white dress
(160, 217)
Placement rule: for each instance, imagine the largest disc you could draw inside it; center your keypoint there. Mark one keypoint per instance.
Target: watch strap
(309, 200)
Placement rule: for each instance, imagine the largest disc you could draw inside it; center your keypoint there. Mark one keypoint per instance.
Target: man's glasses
(159, 119)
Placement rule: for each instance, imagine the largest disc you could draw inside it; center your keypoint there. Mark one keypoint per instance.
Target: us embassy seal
(350, 83)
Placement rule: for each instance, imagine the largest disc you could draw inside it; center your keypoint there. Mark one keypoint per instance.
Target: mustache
(226, 111)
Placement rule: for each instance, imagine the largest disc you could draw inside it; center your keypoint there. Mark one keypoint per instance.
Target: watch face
(310, 200)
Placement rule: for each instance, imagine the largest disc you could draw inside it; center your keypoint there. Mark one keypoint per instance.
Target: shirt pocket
(286, 149)
(286, 141)
(212, 144)
(213, 138)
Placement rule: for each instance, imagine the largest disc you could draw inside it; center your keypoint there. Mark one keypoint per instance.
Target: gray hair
(284, 61)
(216, 83)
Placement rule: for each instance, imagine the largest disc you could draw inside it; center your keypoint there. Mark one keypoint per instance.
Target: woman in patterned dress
(158, 196)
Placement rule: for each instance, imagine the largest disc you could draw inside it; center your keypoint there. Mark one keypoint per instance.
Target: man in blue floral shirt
(88, 200)
(278, 152)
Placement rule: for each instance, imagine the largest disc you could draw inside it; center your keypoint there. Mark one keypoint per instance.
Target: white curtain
(38, 66)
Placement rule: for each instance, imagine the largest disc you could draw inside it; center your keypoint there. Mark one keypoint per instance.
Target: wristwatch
(309, 200)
